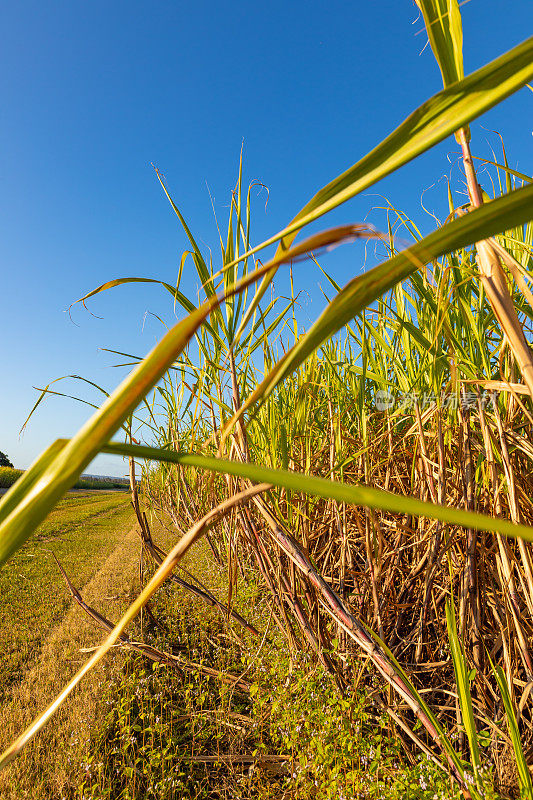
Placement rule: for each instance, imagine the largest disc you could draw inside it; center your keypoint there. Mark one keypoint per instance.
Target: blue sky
(93, 93)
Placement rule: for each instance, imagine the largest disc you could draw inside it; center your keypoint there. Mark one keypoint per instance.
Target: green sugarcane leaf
(524, 775)
(445, 32)
(462, 678)
(321, 487)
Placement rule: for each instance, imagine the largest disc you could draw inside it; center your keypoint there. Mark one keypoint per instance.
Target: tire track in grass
(49, 767)
(82, 532)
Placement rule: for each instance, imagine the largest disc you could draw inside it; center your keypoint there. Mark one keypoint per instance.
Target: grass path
(82, 531)
(198, 716)
(42, 631)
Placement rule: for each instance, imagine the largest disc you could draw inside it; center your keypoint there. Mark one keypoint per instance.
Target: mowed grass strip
(49, 768)
(82, 531)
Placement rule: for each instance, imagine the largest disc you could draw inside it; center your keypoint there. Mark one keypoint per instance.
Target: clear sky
(92, 93)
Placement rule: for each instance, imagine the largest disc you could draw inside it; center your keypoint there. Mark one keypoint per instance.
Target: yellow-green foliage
(8, 476)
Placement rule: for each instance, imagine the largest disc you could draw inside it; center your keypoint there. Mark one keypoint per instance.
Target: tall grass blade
(463, 688)
(445, 33)
(524, 775)
(334, 490)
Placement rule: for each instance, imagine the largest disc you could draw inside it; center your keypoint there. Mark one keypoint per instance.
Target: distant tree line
(4, 461)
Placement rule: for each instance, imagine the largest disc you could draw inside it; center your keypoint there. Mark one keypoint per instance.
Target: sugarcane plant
(377, 469)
